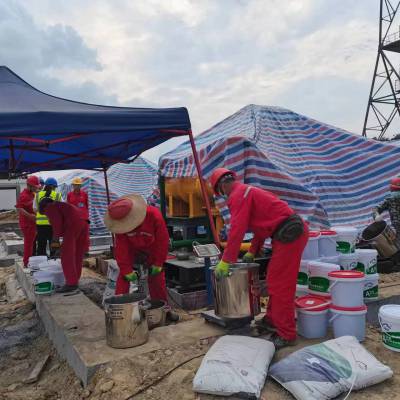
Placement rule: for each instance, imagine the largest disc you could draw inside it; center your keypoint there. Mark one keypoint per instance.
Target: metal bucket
(237, 295)
(382, 237)
(126, 323)
(156, 313)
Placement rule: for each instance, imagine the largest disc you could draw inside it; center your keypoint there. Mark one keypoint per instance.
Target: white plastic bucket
(318, 280)
(347, 288)
(327, 244)
(367, 261)
(50, 264)
(302, 277)
(348, 262)
(43, 282)
(389, 318)
(35, 261)
(312, 317)
(331, 260)
(346, 239)
(301, 290)
(311, 251)
(371, 287)
(348, 321)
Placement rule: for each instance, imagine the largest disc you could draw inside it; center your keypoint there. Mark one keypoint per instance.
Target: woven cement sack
(235, 365)
(326, 370)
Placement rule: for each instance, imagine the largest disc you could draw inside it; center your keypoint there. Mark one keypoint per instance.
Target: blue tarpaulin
(42, 132)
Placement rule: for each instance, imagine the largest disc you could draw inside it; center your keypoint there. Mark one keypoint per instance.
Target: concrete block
(8, 261)
(76, 327)
(14, 246)
(100, 240)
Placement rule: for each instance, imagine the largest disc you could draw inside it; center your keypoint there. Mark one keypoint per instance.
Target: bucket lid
(328, 233)
(312, 303)
(390, 310)
(339, 308)
(313, 234)
(346, 274)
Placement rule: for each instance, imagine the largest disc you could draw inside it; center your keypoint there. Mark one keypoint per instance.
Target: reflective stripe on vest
(40, 218)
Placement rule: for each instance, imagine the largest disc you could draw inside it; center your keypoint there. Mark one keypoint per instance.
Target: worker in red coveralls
(67, 222)
(265, 215)
(27, 217)
(79, 198)
(140, 232)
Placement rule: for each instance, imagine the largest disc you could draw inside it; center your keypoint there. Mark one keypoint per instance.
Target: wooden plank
(37, 370)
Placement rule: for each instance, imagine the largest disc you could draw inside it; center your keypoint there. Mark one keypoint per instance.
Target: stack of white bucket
(326, 254)
(46, 274)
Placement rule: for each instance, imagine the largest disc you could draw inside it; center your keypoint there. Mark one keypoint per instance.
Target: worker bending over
(43, 227)
(140, 232)
(67, 222)
(265, 215)
(27, 216)
(79, 198)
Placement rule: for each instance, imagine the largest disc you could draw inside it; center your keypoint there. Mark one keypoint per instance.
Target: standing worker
(140, 232)
(79, 198)
(27, 216)
(265, 215)
(67, 222)
(44, 231)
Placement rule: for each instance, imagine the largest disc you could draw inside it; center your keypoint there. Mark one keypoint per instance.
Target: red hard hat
(33, 181)
(217, 175)
(395, 184)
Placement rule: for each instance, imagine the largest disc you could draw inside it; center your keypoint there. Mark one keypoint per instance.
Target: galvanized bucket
(156, 313)
(126, 323)
(382, 237)
(237, 295)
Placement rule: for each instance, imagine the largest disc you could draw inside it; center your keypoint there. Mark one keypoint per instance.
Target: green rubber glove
(154, 270)
(222, 269)
(131, 277)
(248, 257)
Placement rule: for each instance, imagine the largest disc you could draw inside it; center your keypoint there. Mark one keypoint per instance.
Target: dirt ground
(23, 343)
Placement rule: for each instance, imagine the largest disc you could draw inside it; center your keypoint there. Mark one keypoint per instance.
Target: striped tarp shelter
(138, 177)
(328, 175)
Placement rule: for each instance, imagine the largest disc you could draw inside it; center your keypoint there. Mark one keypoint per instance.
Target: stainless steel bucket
(382, 237)
(126, 323)
(156, 313)
(237, 295)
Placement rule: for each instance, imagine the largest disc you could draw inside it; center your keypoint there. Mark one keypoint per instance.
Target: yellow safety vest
(40, 218)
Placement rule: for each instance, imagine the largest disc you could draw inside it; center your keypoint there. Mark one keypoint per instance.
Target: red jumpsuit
(28, 226)
(151, 239)
(81, 201)
(261, 212)
(67, 222)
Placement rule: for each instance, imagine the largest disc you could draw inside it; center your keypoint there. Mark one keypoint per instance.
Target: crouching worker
(140, 232)
(265, 215)
(67, 222)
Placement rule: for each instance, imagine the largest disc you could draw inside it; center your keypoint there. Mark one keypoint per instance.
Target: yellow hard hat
(77, 181)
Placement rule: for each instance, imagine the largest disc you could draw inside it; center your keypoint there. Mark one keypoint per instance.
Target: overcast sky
(315, 57)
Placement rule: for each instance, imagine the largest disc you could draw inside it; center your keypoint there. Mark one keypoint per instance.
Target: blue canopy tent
(40, 132)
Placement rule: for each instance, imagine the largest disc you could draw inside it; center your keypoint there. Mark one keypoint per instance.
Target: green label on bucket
(302, 278)
(318, 284)
(371, 293)
(372, 268)
(391, 339)
(360, 267)
(344, 247)
(44, 287)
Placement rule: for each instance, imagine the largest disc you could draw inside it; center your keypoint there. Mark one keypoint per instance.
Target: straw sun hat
(125, 214)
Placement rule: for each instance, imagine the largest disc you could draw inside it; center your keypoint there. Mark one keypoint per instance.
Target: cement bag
(326, 370)
(112, 276)
(235, 365)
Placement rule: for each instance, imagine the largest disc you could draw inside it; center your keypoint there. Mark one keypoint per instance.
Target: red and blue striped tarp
(326, 174)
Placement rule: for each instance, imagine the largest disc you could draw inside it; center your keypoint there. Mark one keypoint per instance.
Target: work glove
(222, 269)
(154, 270)
(248, 257)
(376, 216)
(131, 277)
